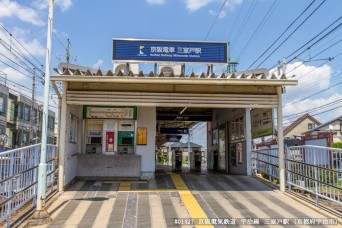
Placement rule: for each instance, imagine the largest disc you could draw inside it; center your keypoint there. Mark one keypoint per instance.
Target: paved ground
(221, 198)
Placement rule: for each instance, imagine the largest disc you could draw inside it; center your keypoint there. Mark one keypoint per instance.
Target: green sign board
(262, 122)
(109, 112)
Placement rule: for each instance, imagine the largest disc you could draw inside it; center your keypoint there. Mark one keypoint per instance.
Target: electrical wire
(246, 19)
(258, 28)
(217, 16)
(300, 25)
(288, 27)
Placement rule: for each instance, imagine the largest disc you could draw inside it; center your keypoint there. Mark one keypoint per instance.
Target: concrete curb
(321, 209)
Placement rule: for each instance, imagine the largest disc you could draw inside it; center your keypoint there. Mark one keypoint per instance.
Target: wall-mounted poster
(141, 136)
(262, 122)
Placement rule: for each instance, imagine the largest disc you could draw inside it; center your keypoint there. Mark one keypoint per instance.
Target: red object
(109, 141)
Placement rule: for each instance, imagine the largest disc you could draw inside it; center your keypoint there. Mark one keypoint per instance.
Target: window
(27, 113)
(35, 117)
(51, 123)
(311, 126)
(73, 128)
(2, 108)
(3, 104)
(19, 111)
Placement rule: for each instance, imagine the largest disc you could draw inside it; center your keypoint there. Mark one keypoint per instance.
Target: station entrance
(110, 122)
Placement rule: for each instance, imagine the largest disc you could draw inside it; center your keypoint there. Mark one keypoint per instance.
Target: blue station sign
(169, 51)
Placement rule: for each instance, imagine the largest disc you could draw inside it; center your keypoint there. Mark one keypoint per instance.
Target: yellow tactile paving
(150, 190)
(191, 204)
(125, 186)
(119, 182)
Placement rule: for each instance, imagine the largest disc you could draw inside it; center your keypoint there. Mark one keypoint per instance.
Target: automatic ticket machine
(126, 137)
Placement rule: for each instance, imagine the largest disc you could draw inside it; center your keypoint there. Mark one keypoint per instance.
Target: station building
(110, 120)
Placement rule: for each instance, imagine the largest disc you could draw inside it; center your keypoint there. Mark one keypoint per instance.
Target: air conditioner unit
(133, 67)
(168, 69)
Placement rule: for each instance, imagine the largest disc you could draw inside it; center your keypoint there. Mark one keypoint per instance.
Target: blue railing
(19, 175)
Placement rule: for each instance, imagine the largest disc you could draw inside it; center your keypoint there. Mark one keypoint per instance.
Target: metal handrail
(19, 177)
(318, 163)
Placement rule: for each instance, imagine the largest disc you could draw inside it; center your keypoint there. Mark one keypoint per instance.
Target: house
(331, 129)
(19, 124)
(300, 125)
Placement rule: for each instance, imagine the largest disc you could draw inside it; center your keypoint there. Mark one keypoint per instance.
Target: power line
(236, 19)
(300, 25)
(258, 28)
(246, 19)
(329, 59)
(288, 27)
(319, 40)
(314, 109)
(318, 34)
(218, 14)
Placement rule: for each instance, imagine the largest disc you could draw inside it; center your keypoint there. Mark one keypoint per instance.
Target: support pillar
(248, 140)
(280, 139)
(63, 134)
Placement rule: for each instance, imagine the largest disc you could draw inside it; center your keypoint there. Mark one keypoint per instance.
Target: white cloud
(34, 46)
(194, 5)
(155, 2)
(13, 9)
(232, 3)
(12, 74)
(222, 14)
(44, 4)
(308, 104)
(98, 64)
(309, 78)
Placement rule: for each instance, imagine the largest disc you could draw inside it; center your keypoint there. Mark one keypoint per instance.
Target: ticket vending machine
(126, 137)
(109, 130)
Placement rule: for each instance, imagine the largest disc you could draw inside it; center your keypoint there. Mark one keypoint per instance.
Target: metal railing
(315, 169)
(19, 175)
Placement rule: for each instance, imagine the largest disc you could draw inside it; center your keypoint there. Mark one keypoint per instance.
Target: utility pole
(68, 51)
(32, 105)
(189, 149)
(41, 215)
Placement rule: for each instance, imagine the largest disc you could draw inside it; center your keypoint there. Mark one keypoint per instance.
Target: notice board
(142, 136)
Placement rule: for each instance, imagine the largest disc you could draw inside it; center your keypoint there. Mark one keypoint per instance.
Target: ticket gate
(215, 160)
(196, 160)
(177, 160)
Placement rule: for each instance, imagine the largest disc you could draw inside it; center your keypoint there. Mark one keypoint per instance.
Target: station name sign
(169, 51)
(109, 112)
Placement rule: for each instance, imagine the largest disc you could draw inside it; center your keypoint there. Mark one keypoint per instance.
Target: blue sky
(91, 25)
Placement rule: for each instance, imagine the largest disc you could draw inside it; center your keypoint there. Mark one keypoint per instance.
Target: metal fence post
(316, 182)
(288, 166)
(10, 190)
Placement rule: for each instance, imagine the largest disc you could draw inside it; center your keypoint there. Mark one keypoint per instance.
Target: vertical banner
(109, 141)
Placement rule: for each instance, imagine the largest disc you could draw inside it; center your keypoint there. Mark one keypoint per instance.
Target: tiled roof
(77, 72)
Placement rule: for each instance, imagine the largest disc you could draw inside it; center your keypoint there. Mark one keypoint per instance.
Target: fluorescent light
(181, 112)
